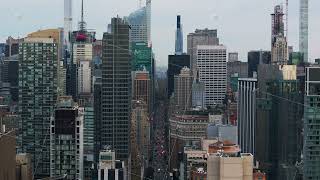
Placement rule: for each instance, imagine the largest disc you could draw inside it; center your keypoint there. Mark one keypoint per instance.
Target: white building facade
(212, 67)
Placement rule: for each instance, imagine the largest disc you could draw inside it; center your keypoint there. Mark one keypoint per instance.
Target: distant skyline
(243, 25)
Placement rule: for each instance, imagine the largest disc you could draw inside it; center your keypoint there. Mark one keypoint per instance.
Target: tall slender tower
(67, 22)
(179, 37)
(303, 34)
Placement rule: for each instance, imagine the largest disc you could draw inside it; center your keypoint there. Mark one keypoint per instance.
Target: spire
(82, 24)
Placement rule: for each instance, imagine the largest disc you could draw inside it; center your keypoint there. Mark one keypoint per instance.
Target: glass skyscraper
(38, 83)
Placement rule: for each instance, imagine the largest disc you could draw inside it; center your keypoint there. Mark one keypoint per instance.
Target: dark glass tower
(116, 88)
(179, 37)
(255, 58)
(175, 64)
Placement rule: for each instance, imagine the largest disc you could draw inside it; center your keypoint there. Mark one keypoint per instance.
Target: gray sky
(243, 25)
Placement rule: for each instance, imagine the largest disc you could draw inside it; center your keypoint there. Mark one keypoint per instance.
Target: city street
(159, 144)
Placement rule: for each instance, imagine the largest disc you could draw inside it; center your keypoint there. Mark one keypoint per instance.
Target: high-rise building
(140, 24)
(279, 44)
(38, 83)
(88, 141)
(7, 154)
(212, 67)
(12, 46)
(116, 88)
(311, 149)
(278, 138)
(57, 35)
(66, 140)
(79, 74)
(304, 28)
(9, 74)
(255, 58)
(139, 140)
(183, 89)
(200, 37)
(67, 22)
(97, 113)
(247, 117)
(175, 64)
(179, 37)
(236, 69)
(141, 88)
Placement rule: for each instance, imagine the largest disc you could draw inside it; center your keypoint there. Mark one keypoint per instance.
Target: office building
(66, 139)
(97, 113)
(9, 74)
(279, 44)
(38, 59)
(12, 46)
(88, 141)
(116, 89)
(139, 140)
(142, 57)
(303, 29)
(221, 166)
(236, 68)
(212, 67)
(255, 58)
(175, 64)
(311, 149)
(179, 37)
(109, 168)
(7, 154)
(278, 138)
(183, 89)
(199, 37)
(247, 117)
(142, 88)
(140, 23)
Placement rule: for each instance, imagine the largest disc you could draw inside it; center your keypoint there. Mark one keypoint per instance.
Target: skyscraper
(179, 37)
(66, 139)
(212, 67)
(38, 83)
(279, 46)
(183, 89)
(247, 116)
(79, 68)
(142, 88)
(311, 149)
(255, 58)
(200, 37)
(67, 22)
(175, 64)
(116, 88)
(140, 23)
(304, 25)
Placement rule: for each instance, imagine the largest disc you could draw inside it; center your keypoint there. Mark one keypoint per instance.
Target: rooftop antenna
(82, 24)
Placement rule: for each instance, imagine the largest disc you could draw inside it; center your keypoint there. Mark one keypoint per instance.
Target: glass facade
(37, 97)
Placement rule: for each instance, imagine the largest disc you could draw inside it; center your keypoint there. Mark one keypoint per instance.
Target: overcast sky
(243, 25)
